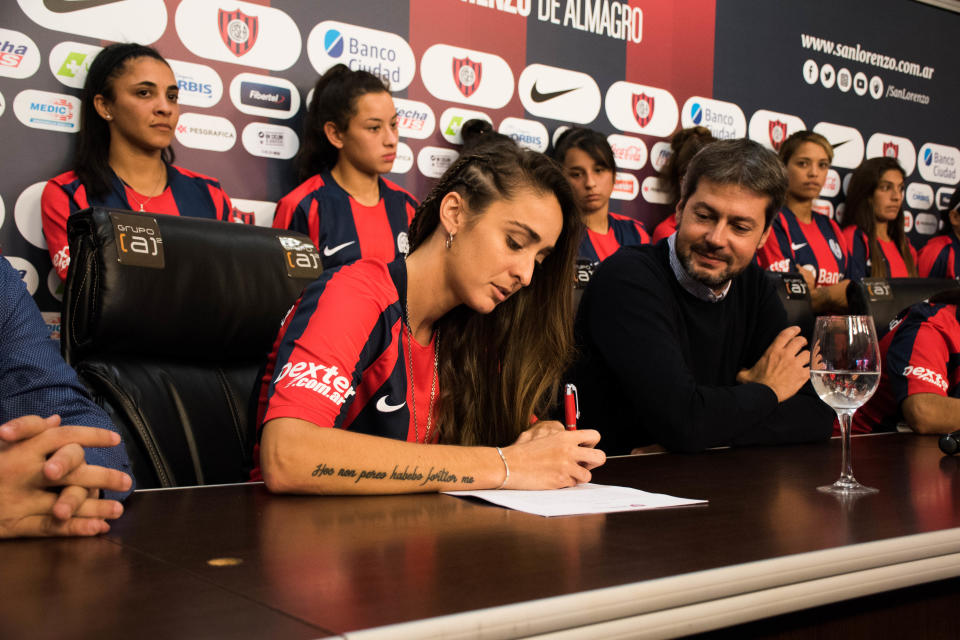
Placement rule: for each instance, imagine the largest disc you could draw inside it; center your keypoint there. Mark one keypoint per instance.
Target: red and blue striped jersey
(187, 194)
(665, 229)
(921, 354)
(940, 257)
(818, 245)
(623, 231)
(860, 255)
(340, 358)
(344, 230)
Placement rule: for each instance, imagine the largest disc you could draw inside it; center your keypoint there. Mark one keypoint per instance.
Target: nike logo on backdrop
(66, 6)
(384, 407)
(329, 251)
(797, 247)
(536, 96)
(838, 144)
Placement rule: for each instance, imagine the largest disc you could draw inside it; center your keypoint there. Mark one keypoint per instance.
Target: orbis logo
(192, 86)
(200, 86)
(529, 134)
(384, 54)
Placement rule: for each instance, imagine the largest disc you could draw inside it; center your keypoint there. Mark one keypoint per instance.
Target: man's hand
(784, 366)
(37, 454)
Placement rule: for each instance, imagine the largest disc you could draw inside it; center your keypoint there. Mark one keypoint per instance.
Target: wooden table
(236, 561)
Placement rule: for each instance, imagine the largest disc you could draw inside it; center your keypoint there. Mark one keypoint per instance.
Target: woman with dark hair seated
(877, 241)
(940, 257)
(587, 161)
(425, 374)
(344, 204)
(803, 241)
(128, 113)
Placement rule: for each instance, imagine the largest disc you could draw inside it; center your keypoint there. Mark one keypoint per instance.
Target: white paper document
(581, 499)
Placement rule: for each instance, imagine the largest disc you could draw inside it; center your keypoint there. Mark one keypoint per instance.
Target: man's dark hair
(742, 162)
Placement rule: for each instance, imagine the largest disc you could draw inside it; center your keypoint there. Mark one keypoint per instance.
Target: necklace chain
(433, 383)
(133, 191)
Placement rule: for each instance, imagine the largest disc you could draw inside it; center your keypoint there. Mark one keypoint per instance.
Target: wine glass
(845, 371)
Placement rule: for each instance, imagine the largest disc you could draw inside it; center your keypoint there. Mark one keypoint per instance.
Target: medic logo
(642, 106)
(466, 75)
(238, 30)
(778, 133)
(46, 110)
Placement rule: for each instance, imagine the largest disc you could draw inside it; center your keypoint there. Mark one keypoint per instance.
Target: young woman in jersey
(343, 204)
(940, 257)
(128, 113)
(802, 240)
(425, 374)
(683, 146)
(878, 244)
(588, 163)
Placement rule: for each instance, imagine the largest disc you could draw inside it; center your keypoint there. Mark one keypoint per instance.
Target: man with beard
(684, 344)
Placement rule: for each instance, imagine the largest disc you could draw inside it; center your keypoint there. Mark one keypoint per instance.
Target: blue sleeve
(34, 379)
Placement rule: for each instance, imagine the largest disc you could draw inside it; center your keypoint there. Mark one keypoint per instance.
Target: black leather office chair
(884, 299)
(168, 320)
(795, 297)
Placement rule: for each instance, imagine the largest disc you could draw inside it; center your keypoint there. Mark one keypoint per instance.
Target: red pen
(571, 407)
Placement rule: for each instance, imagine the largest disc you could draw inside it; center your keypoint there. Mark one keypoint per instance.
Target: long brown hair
(497, 370)
(858, 210)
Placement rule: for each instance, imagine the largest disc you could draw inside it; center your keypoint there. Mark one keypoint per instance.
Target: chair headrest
(178, 287)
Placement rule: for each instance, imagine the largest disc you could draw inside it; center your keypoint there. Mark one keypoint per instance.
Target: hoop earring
(449, 242)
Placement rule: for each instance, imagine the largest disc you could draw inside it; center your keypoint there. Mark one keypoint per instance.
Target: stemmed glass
(845, 371)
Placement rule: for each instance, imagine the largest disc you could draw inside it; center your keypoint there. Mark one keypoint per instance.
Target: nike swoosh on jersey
(328, 251)
(797, 247)
(384, 407)
(537, 96)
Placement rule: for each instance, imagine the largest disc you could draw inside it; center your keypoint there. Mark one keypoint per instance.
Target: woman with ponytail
(343, 204)
(425, 374)
(128, 113)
